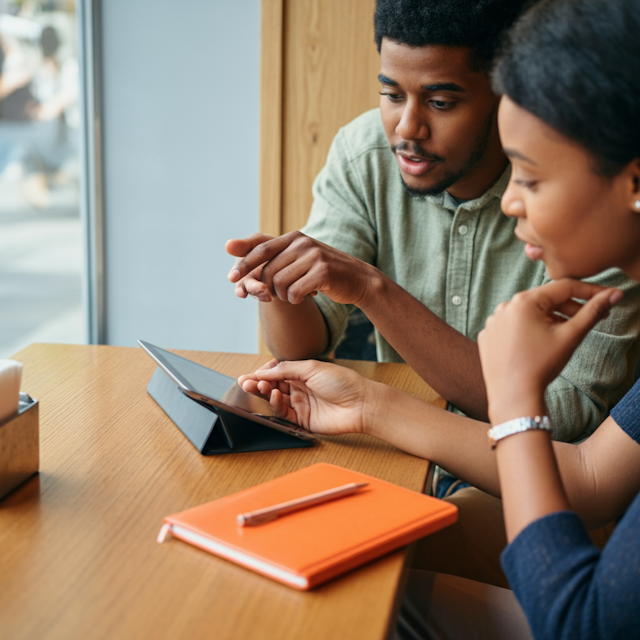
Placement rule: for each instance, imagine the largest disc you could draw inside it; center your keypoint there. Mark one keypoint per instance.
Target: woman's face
(575, 220)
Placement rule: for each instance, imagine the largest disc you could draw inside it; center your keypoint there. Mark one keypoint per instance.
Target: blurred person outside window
(55, 88)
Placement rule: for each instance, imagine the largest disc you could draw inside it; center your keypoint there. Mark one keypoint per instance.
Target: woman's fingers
(265, 367)
(560, 291)
(590, 313)
(282, 408)
(279, 406)
(265, 388)
(563, 297)
(252, 386)
(281, 371)
(283, 387)
(569, 308)
(525, 339)
(246, 378)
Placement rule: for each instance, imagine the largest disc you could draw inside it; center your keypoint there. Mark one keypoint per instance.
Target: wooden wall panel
(330, 77)
(328, 66)
(272, 24)
(319, 68)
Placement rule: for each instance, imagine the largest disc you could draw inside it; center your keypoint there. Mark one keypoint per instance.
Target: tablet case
(308, 547)
(212, 431)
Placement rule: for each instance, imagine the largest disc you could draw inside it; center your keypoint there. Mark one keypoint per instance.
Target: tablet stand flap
(195, 421)
(213, 431)
(252, 436)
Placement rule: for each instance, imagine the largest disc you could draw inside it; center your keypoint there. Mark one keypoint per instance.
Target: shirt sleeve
(627, 413)
(567, 587)
(601, 370)
(342, 218)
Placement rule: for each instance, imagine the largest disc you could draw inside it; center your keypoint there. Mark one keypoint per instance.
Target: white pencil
(261, 516)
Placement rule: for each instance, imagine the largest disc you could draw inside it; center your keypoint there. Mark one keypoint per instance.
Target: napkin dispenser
(19, 445)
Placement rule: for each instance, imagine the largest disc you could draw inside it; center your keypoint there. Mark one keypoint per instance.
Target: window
(41, 245)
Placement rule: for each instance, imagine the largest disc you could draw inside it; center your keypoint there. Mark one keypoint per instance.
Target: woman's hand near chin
(321, 397)
(524, 346)
(528, 341)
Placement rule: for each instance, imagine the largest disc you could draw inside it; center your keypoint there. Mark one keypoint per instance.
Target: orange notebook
(305, 548)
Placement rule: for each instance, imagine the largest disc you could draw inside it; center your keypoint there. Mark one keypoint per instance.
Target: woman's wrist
(516, 404)
(519, 425)
(374, 412)
(530, 482)
(515, 400)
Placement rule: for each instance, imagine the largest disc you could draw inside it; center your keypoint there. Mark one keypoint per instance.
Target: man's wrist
(374, 288)
(294, 332)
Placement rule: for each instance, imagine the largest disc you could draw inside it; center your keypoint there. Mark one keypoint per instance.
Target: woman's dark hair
(575, 64)
(478, 24)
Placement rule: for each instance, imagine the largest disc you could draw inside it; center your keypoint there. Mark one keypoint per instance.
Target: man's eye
(394, 97)
(441, 104)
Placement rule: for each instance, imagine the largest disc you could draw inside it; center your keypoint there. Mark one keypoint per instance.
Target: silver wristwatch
(517, 426)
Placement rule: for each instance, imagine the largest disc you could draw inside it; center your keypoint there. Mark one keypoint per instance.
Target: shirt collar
(495, 191)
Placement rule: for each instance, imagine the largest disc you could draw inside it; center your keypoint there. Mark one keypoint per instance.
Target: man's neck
(487, 173)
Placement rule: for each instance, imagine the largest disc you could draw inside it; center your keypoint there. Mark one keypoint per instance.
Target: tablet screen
(207, 382)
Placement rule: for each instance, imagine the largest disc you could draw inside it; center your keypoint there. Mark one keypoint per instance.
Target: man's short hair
(477, 24)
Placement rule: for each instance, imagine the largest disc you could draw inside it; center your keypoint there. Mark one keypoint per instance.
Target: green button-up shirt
(461, 261)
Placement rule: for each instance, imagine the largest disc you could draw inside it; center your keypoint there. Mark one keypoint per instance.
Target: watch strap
(518, 425)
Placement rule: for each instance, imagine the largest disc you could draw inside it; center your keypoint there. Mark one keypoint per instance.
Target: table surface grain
(78, 557)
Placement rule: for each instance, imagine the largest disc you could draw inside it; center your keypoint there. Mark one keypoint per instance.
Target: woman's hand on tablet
(321, 397)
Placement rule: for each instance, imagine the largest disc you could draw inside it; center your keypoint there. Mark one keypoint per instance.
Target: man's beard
(475, 157)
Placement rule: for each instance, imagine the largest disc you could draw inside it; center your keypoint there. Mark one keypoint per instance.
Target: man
(406, 225)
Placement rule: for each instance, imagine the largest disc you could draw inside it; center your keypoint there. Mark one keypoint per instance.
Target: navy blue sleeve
(567, 587)
(627, 412)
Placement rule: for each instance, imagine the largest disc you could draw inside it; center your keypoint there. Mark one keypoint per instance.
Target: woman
(573, 138)
(569, 121)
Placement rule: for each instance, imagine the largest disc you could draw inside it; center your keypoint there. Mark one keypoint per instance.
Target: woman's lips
(532, 251)
(413, 167)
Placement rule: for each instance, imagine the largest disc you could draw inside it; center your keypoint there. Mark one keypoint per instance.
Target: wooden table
(78, 557)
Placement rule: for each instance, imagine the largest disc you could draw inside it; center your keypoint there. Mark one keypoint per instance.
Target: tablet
(219, 391)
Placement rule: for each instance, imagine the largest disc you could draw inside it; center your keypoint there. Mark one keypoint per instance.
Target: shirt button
(463, 230)
(457, 300)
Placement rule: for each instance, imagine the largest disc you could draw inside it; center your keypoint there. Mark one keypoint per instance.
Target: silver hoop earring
(638, 205)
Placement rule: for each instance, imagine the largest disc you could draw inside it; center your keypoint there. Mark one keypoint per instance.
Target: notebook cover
(330, 538)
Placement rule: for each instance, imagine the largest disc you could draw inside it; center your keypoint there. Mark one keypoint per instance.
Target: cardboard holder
(213, 431)
(19, 445)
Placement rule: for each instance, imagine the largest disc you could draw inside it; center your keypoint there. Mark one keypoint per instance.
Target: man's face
(439, 117)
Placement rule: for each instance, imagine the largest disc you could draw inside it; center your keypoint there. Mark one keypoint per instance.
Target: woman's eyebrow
(512, 153)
